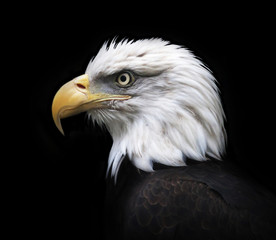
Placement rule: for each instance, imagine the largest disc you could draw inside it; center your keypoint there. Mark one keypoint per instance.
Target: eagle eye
(125, 79)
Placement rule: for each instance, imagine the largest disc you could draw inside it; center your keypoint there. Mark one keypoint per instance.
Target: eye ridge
(125, 79)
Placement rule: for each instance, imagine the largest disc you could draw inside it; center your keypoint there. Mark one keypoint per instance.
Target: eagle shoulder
(176, 204)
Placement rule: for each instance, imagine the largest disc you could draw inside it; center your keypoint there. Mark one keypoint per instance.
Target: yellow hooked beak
(74, 97)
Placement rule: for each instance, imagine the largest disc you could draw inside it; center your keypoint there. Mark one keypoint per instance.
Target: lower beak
(74, 97)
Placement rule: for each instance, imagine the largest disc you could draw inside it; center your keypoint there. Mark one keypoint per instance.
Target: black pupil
(123, 78)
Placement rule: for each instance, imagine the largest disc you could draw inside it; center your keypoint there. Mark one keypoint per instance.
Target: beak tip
(62, 132)
(58, 125)
(57, 122)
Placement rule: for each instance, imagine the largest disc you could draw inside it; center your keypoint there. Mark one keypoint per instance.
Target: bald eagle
(162, 108)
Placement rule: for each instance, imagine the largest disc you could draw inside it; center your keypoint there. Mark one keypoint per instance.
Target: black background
(66, 175)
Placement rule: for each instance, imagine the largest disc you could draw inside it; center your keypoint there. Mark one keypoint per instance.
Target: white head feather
(175, 110)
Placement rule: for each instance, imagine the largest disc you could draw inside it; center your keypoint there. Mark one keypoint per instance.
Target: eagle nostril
(79, 85)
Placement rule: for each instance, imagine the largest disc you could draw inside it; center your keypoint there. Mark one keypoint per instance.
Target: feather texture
(207, 200)
(175, 110)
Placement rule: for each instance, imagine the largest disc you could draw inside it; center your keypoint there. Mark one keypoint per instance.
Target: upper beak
(74, 97)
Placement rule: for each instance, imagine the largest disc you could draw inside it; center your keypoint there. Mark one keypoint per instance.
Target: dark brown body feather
(209, 200)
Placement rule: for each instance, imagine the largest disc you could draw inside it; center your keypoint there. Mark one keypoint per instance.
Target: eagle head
(158, 101)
